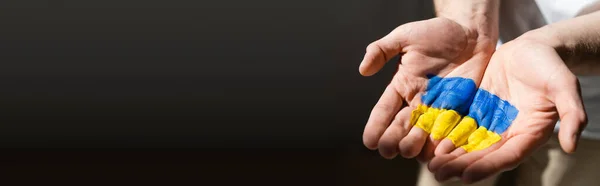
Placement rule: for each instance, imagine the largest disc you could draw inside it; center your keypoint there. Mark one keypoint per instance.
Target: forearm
(577, 41)
(480, 16)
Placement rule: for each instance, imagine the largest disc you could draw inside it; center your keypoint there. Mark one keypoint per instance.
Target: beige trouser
(549, 166)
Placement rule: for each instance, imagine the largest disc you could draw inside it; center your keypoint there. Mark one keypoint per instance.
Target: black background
(165, 74)
(227, 91)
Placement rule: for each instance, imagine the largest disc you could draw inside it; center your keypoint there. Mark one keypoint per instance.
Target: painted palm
(525, 75)
(441, 66)
(470, 118)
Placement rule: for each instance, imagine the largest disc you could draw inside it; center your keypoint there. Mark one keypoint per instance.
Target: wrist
(478, 17)
(546, 35)
(570, 50)
(576, 40)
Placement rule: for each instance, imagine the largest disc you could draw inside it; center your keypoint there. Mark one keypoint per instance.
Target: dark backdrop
(261, 91)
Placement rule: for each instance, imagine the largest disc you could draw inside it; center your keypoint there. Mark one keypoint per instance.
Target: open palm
(533, 79)
(442, 63)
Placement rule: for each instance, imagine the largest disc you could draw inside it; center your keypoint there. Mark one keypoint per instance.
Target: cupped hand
(526, 89)
(441, 65)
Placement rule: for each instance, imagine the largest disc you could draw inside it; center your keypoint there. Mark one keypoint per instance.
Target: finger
(427, 153)
(445, 147)
(411, 145)
(458, 136)
(458, 152)
(444, 123)
(571, 111)
(456, 167)
(479, 143)
(382, 50)
(388, 144)
(381, 116)
(507, 157)
(442, 126)
(438, 161)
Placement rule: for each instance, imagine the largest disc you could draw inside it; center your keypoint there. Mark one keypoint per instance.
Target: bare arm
(576, 40)
(480, 16)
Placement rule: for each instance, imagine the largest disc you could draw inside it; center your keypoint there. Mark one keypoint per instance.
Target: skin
(457, 43)
(533, 77)
(536, 72)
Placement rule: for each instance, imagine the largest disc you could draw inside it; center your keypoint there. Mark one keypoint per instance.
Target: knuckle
(383, 108)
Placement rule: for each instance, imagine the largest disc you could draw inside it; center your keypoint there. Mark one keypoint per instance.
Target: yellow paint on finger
(416, 113)
(444, 124)
(425, 122)
(462, 131)
(492, 138)
(427, 119)
(481, 139)
(475, 138)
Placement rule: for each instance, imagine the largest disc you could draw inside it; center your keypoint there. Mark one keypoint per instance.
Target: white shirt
(520, 16)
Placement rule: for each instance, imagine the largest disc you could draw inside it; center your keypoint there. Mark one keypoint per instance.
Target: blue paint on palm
(462, 95)
(491, 112)
(454, 93)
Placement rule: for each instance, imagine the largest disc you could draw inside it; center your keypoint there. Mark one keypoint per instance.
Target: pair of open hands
(525, 74)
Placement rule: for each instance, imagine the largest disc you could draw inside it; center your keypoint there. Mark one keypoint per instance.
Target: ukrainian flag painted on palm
(454, 108)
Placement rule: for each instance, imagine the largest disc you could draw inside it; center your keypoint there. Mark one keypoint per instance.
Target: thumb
(572, 114)
(381, 51)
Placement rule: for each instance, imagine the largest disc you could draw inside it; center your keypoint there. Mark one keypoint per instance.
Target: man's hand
(535, 73)
(535, 82)
(441, 60)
